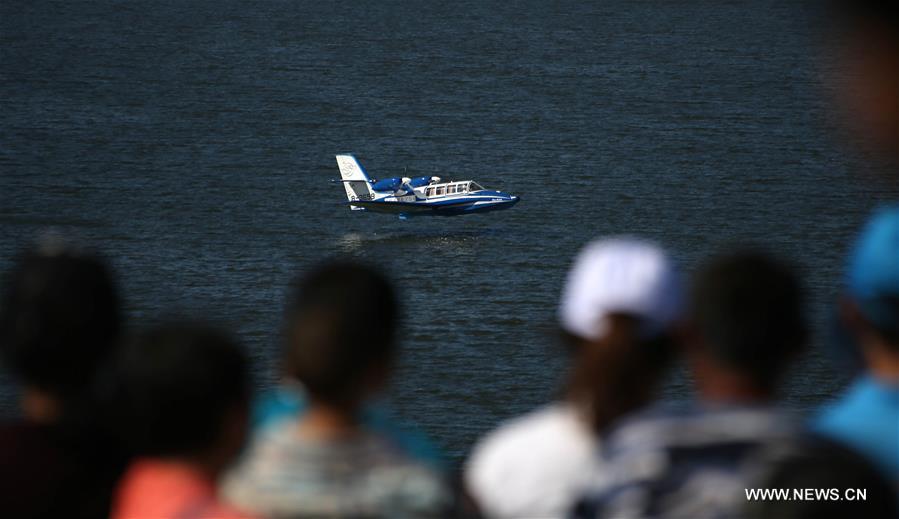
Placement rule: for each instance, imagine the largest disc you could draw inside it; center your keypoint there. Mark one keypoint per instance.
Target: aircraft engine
(387, 184)
(420, 181)
(404, 188)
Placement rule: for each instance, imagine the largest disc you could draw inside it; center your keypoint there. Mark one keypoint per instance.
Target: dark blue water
(194, 141)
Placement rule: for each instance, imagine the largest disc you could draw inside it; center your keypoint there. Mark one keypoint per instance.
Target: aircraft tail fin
(355, 179)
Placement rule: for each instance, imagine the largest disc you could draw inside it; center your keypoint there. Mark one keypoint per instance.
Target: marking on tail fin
(351, 169)
(355, 179)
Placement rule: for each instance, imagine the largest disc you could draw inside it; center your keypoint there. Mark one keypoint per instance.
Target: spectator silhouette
(182, 396)
(325, 460)
(620, 303)
(866, 417)
(59, 323)
(745, 326)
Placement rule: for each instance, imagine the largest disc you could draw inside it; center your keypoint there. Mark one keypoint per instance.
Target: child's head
(340, 331)
(182, 391)
(60, 319)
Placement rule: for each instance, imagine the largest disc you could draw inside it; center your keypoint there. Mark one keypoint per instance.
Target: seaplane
(418, 196)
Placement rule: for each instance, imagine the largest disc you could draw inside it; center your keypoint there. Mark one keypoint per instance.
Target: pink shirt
(156, 489)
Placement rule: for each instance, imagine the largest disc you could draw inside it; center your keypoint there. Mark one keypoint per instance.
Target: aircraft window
(440, 191)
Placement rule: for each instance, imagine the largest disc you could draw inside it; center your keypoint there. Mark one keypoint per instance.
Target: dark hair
(747, 308)
(174, 386)
(340, 323)
(60, 319)
(619, 373)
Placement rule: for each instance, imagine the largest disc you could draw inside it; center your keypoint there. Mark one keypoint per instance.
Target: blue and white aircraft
(417, 196)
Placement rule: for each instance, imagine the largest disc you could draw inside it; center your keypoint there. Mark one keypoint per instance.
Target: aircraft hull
(447, 207)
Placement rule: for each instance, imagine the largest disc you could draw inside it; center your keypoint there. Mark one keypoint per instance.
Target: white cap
(620, 275)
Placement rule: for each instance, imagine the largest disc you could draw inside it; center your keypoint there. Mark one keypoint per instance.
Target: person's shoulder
(544, 428)
(28, 432)
(865, 418)
(276, 450)
(404, 436)
(698, 426)
(533, 463)
(691, 447)
(695, 460)
(844, 417)
(267, 449)
(43, 472)
(550, 419)
(287, 401)
(404, 482)
(284, 474)
(861, 400)
(23, 447)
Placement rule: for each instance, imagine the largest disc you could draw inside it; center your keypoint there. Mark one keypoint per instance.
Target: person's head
(871, 300)
(867, 53)
(620, 305)
(60, 320)
(181, 391)
(340, 326)
(747, 324)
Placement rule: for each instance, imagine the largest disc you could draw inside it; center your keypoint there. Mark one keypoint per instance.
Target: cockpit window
(474, 186)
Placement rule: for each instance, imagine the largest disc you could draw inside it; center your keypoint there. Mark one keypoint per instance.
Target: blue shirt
(867, 419)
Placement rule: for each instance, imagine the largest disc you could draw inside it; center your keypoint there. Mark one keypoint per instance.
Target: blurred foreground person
(326, 462)
(620, 303)
(746, 326)
(60, 322)
(182, 394)
(867, 416)
(288, 400)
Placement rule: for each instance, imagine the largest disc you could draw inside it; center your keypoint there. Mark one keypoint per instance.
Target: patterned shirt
(284, 475)
(694, 464)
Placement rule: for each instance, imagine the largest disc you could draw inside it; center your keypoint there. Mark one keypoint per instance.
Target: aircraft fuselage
(420, 196)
